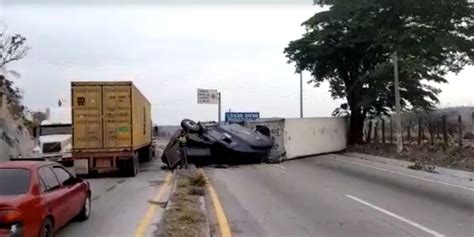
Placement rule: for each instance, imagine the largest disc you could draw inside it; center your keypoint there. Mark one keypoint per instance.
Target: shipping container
(301, 137)
(112, 126)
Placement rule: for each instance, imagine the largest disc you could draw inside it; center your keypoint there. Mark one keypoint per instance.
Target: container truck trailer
(111, 127)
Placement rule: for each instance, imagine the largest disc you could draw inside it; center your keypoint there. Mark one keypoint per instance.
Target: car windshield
(55, 129)
(21, 184)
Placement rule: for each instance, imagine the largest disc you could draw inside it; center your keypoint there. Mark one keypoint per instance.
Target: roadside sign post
(301, 94)
(219, 109)
(210, 96)
(472, 122)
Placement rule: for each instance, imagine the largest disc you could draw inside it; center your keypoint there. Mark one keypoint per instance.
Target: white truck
(54, 136)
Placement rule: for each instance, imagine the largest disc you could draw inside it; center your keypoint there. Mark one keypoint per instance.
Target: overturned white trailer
(300, 137)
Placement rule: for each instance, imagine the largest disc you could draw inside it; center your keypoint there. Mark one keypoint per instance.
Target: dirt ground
(452, 157)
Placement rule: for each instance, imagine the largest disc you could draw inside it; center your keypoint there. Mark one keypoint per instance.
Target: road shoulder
(440, 170)
(440, 175)
(154, 211)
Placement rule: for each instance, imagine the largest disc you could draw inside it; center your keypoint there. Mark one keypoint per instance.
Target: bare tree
(12, 48)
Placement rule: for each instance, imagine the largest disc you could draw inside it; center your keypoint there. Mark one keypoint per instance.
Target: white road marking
(409, 175)
(400, 218)
(281, 167)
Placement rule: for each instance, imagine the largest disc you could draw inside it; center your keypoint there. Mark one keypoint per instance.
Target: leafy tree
(351, 47)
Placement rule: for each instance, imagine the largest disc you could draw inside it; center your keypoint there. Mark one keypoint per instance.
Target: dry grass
(469, 136)
(185, 218)
(198, 180)
(199, 191)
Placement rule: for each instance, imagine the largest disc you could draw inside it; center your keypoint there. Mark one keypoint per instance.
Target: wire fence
(446, 128)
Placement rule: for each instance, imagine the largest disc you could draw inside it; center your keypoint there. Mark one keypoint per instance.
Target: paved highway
(334, 195)
(119, 205)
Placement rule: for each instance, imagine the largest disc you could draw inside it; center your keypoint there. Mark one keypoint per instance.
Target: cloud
(155, 2)
(170, 51)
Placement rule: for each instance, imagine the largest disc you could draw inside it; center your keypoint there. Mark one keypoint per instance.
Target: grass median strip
(184, 216)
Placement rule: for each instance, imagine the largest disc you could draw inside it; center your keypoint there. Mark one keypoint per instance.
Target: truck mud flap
(81, 166)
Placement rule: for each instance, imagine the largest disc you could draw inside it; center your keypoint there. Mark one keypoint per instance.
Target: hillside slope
(15, 140)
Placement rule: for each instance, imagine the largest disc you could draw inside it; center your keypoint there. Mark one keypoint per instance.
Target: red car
(39, 197)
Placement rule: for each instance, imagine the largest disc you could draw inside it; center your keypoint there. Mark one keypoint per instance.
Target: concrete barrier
(296, 137)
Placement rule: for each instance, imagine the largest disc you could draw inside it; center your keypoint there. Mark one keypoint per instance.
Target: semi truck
(111, 127)
(54, 139)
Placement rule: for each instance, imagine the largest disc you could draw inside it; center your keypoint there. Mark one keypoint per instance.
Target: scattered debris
(155, 182)
(161, 204)
(220, 166)
(416, 166)
(425, 167)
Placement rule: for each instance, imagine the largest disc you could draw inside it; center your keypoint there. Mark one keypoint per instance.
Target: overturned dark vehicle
(212, 143)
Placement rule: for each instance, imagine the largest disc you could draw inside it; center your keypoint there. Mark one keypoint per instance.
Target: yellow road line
(145, 221)
(220, 215)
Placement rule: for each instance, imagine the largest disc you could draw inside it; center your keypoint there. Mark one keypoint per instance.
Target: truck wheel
(152, 152)
(130, 167)
(133, 167)
(190, 126)
(146, 154)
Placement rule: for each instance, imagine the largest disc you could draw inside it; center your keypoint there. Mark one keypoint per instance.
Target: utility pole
(472, 122)
(219, 108)
(301, 94)
(398, 118)
(3, 96)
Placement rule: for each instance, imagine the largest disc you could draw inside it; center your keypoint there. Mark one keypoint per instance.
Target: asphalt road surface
(118, 203)
(333, 195)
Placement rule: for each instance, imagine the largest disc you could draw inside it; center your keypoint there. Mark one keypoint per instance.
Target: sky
(169, 49)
